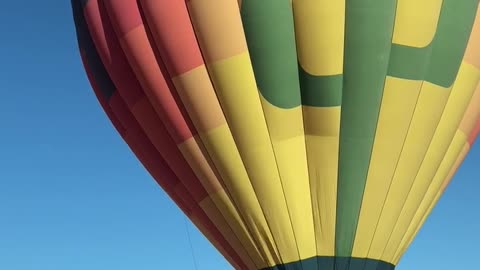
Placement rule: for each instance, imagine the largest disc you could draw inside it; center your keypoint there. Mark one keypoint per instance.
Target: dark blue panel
(86, 45)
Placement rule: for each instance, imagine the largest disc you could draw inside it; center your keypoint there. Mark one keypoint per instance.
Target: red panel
(153, 162)
(130, 90)
(118, 106)
(126, 124)
(162, 141)
(150, 72)
(111, 53)
(172, 30)
(475, 133)
(124, 14)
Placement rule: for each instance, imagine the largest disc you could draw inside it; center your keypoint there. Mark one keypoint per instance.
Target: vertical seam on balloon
(101, 97)
(403, 145)
(247, 171)
(108, 110)
(275, 155)
(437, 197)
(376, 128)
(205, 153)
(423, 159)
(426, 212)
(278, 169)
(283, 190)
(374, 137)
(306, 150)
(168, 133)
(339, 137)
(146, 97)
(262, 253)
(408, 132)
(400, 154)
(391, 180)
(423, 198)
(415, 178)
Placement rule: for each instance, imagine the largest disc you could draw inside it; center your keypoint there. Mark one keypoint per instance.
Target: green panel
(408, 62)
(368, 36)
(320, 91)
(332, 263)
(270, 35)
(444, 55)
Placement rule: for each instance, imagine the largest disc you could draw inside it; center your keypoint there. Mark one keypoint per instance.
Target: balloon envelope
(295, 134)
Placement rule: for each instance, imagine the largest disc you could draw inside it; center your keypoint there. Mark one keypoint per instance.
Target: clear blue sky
(72, 196)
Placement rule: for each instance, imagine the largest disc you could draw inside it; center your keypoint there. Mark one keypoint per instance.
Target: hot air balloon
(295, 134)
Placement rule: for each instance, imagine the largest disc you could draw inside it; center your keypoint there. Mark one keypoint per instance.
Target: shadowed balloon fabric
(304, 134)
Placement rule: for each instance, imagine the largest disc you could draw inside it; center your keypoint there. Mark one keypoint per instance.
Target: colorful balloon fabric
(295, 134)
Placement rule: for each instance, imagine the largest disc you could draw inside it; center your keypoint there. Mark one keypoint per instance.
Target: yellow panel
(322, 142)
(456, 166)
(458, 101)
(215, 20)
(428, 111)
(198, 96)
(427, 198)
(319, 31)
(426, 208)
(236, 89)
(330, 124)
(288, 139)
(283, 123)
(229, 164)
(398, 105)
(232, 217)
(232, 75)
(416, 22)
(198, 159)
(230, 235)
